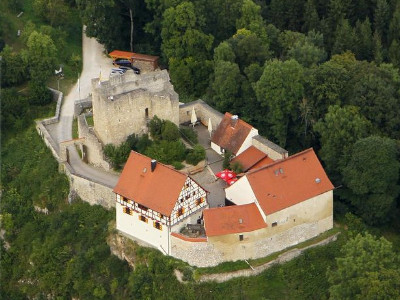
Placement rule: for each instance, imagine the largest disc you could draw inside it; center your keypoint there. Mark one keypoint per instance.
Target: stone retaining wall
(203, 113)
(93, 147)
(284, 257)
(88, 190)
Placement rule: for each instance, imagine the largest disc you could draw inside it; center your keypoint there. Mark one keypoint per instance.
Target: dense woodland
(321, 74)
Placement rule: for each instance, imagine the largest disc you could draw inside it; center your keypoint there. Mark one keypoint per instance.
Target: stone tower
(125, 104)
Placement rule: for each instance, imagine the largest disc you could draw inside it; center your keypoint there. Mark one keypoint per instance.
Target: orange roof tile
(232, 219)
(264, 162)
(129, 55)
(290, 181)
(252, 157)
(158, 190)
(228, 137)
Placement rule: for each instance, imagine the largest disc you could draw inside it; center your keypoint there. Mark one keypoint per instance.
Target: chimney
(153, 165)
(234, 120)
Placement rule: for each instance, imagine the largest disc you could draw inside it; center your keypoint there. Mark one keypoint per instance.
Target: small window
(240, 237)
(160, 215)
(146, 112)
(127, 210)
(274, 224)
(194, 193)
(199, 201)
(187, 196)
(157, 225)
(143, 219)
(180, 212)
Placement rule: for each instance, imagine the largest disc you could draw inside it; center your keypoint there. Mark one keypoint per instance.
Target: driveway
(94, 62)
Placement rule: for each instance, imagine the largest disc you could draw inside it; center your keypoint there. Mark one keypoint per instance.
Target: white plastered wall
(133, 226)
(240, 192)
(248, 141)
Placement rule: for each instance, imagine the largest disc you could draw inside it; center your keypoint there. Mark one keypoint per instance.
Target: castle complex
(277, 202)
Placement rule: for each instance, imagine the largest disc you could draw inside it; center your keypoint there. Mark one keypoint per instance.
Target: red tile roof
(252, 157)
(228, 137)
(128, 55)
(158, 190)
(232, 219)
(288, 182)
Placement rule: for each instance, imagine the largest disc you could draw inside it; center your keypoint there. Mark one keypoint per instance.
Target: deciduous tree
(368, 269)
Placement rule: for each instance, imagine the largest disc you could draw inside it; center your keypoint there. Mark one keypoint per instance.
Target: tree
(226, 85)
(307, 54)
(344, 38)
(252, 20)
(311, 18)
(39, 94)
(394, 26)
(181, 34)
(224, 52)
(364, 41)
(40, 56)
(374, 90)
(382, 18)
(155, 126)
(13, 68)
(54, 11)
(377, 48)
(368, 269)
(339, 130)
(394, 53)
(371, 175)
(279, 91)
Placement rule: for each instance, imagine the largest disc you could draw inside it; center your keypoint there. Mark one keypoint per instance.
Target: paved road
(94, 62)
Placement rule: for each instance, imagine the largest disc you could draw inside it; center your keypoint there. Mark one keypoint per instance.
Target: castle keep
(123, 105)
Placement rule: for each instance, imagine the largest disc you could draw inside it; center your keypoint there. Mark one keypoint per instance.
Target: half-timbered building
(154, 200)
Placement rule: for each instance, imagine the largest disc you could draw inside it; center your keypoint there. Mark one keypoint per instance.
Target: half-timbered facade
(153, 200)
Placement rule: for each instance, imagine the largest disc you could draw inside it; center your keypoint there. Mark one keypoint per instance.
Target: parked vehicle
(121, 62)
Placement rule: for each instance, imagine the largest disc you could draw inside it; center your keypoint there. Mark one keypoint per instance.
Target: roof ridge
(280, 161)
(239, 120)
(158, 162)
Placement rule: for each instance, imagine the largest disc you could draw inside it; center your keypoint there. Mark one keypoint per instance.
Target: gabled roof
(158, 190)
(252, 157)
(288, 182)
(232, 219)
(228, 137)
(129, 55)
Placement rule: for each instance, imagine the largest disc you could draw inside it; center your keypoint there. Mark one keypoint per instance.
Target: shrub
(197, 154)
(169, 131)
(178, 165)
(227, 159)
(237, 167)
(155, 126)
(189, 134)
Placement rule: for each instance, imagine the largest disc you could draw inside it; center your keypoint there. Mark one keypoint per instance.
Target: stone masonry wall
(203, 112)
(88, 190)
(94, 149)
(124, 104)
(200, 254)
(208, 254)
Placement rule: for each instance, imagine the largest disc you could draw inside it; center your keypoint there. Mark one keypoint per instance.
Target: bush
(117, 155)
(155, 127)
(178, 165)
(237, 167)
(197, 154)
(169, 131)
(167, 152)
(189, 134)
(227, 159)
